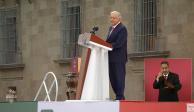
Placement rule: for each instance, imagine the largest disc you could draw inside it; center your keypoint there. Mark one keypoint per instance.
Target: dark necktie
(165, 77)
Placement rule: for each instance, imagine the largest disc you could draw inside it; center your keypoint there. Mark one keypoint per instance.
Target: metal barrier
(43, 84)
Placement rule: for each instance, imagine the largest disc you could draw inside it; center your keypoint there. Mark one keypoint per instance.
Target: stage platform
(97, 106)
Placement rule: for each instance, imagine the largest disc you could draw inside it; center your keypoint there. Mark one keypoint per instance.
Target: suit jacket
(118, 39)
(168, 88)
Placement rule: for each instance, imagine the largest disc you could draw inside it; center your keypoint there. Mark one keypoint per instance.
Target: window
(146, 35)
(70, 27)
(9, 53)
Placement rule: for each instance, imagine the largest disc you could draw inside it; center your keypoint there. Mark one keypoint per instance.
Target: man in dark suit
(117, 36)
(168, 84)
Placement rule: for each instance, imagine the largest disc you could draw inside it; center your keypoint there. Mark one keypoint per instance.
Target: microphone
(94, 29)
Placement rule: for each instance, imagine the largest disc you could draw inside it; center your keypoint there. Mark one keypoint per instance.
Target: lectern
(93, 81)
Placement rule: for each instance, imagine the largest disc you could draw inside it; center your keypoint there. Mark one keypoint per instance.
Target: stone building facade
(39, 39)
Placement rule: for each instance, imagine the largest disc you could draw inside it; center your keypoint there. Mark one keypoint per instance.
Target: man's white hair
(116, 13)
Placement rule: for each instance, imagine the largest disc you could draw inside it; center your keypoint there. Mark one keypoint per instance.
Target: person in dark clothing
(168, 84)
(117, 37)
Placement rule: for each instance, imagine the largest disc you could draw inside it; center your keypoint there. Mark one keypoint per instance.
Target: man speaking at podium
(117, 36)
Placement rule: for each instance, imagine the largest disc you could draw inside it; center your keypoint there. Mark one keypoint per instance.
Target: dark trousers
(117, 78)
